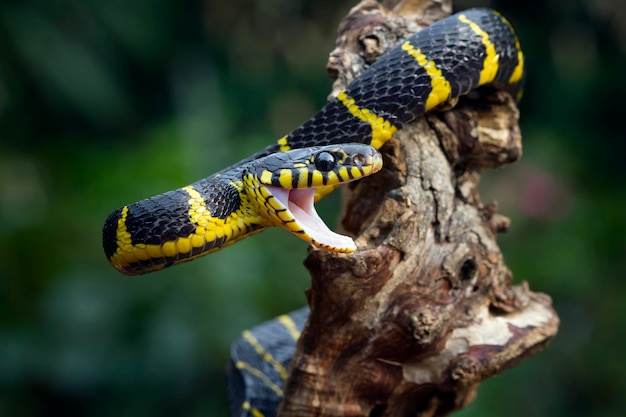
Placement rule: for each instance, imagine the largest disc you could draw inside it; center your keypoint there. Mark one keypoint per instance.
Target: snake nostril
(359, 159)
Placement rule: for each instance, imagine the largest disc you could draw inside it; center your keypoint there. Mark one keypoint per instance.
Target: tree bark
(425, 310)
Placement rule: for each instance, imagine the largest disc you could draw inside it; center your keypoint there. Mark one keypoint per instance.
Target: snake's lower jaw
(301, 218)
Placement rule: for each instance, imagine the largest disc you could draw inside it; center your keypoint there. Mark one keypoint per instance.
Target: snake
(279, 185)
(445, 60)
(278, 189)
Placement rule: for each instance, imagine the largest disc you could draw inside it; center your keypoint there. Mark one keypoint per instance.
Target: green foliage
(104, 103)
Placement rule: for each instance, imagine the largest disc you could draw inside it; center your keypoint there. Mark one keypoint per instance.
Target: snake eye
(324, 161)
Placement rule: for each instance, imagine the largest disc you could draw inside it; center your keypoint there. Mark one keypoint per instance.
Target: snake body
(443, 61)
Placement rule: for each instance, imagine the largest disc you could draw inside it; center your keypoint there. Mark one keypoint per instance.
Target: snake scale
(279, 185)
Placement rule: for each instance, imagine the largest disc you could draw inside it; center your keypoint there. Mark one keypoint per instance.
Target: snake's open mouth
(300, 217)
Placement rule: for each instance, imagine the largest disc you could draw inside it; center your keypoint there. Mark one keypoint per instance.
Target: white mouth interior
(300, 204)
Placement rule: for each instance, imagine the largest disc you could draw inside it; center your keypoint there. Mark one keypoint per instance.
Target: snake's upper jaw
(298, 215)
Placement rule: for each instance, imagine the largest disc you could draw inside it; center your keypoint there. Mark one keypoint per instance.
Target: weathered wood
(426, 309)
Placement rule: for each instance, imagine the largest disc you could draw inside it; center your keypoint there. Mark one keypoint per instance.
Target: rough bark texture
(425, 310)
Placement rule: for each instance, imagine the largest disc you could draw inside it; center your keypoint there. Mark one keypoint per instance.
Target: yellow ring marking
(127, 253)
(440, 87)
(382, 129)
(254, 371)
(284, 146)
(331, 177)
(124, 241)
(255, 412)
(491, 61)
(343, 173)
(209, 228)
(265, 355)
(303, 177)
(518, 72)
(198, 213)
(290, 325)
(317, 178)
(285, 177)
(266, 177)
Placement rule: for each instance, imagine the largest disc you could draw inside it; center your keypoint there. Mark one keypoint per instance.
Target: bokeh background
(104, 103)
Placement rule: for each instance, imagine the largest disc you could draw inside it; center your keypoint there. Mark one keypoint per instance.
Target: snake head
(286, 185)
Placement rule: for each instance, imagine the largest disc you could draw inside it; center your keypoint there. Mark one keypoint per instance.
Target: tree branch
(426, 309)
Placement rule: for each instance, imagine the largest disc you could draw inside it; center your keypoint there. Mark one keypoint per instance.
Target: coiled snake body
(278, 185)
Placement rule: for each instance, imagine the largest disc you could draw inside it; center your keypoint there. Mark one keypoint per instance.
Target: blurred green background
(104, 103)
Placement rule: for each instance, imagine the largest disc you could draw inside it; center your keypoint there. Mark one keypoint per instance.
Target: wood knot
(464, 370)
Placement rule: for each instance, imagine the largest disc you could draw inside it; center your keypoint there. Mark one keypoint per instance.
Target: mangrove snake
(278, 185)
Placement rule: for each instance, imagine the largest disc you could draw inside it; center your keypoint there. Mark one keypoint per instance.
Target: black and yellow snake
(278, 185)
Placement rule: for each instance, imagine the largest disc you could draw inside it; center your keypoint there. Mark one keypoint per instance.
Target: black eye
(324, 161)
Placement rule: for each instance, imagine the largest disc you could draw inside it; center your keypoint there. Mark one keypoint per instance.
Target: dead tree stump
(412, 322)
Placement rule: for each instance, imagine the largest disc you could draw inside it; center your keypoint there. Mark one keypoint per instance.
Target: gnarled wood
(425, 310)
